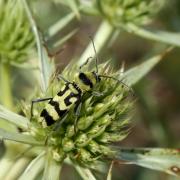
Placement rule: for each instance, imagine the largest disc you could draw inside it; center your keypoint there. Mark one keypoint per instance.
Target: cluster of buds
(124, 11)
(16, 37)
(103, 119)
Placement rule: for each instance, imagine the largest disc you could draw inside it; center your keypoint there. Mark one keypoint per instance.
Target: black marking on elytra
(85, 80)
(62, 112)
(49, 120)
(61, 93)
(72, 95)
(56, 105)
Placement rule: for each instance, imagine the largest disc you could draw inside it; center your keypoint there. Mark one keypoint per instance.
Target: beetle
(70, 95)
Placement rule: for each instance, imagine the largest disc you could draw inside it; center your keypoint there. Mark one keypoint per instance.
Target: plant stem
(154, 35)
(102, 35)
(85, 173)
(59, 25)
(17, 168)
(5, 84)
(6, 164)
(43, 81)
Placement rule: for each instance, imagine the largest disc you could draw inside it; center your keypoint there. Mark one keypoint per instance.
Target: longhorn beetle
(70, 95)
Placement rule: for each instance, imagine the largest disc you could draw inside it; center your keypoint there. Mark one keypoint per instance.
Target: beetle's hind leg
(77, 113)
(37, 101)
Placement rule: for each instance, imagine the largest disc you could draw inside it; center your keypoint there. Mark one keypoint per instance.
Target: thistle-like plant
(16, 42)
(102, 119)
(15, 31)
(133, 11)
(128, 15)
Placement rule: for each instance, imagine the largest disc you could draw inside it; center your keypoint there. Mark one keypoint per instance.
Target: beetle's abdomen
(56, 108)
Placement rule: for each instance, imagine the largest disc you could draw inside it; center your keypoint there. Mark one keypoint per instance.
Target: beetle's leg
(77, 113)
(37, 101)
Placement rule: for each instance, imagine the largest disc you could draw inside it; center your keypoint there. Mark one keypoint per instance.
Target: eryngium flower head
(16, 38)
(102, 120)
(124, 11)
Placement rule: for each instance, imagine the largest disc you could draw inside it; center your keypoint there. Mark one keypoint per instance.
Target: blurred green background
(156, 119)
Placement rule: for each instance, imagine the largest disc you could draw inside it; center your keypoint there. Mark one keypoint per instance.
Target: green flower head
(16, 38)
(125, 11)
(100, 119)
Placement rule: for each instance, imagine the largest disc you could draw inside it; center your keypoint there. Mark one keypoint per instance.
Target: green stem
(5, 85)
(6, 163)
(17, 168)
(59, 25)
(52, 168)
(42, 68)
(102, 35)
(154, 35)
(85, 173)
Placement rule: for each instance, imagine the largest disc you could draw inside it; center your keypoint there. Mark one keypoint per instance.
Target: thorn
(121, 72)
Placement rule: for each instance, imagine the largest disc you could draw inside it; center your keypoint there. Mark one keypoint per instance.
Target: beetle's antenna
(87, 61)
(96, 56)
(60, 77)
(120, 81)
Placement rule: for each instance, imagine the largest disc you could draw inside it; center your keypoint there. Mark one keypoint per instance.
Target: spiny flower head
(103, 119)
(128, 11)
(16, 38)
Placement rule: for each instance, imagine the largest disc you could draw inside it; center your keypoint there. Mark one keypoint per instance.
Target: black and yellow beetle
(69, 95)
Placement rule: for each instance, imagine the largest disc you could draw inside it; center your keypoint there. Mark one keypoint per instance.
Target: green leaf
(17, 168)
(166, 160)
(170, 38)
(85, 173)
(101, 37)
(13, 118)
(65, 38)
(133, 75)
(109, 176)
(73, 5)
(26, 139)
(58, 26)
(44, 64)
(52, 168)
(34, 168)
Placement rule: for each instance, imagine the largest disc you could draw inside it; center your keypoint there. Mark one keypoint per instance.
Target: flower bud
(16, 37)
(129, 11)
(82, 140)
(67, 144)
(58, 154)
(107, 137)
(85, 122)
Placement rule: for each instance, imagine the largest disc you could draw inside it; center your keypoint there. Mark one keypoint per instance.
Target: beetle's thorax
(86, 80)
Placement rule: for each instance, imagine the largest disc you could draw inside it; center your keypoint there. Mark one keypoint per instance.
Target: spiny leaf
(133, 75)
(73, 5)
(156, 35)
(58, 26)
(109, 176)
(34, 168)
(85, 173)
(26, 139)
(102, 35)
(52, 168)
(162, 159)
(13, 118)
(65, 38)
(17, 168)
(44, 65)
